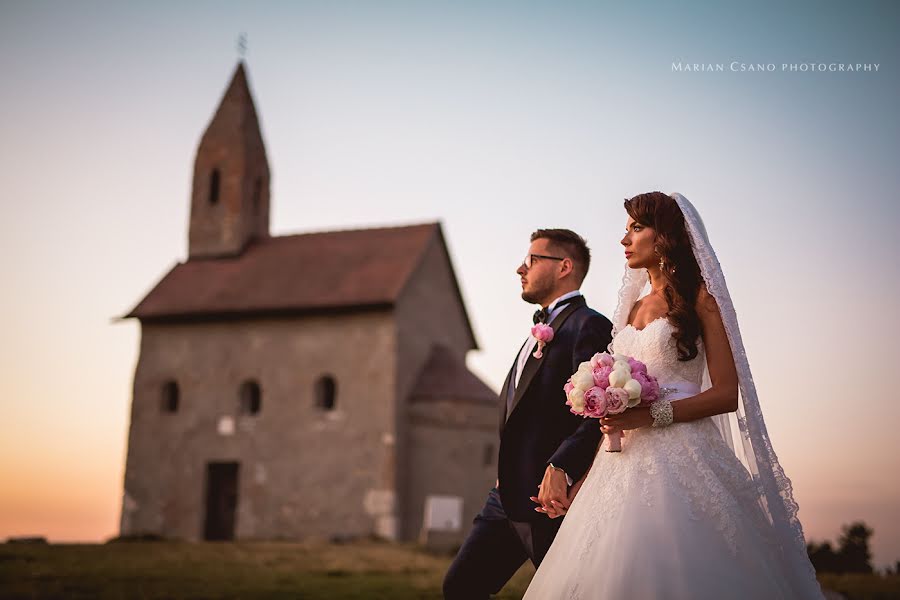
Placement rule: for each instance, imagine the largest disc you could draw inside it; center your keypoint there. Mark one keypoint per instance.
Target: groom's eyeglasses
(529, 258)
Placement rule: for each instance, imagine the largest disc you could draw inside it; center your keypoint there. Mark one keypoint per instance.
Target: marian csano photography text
(737, 66)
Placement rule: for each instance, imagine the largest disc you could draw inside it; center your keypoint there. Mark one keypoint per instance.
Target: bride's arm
(721, 397)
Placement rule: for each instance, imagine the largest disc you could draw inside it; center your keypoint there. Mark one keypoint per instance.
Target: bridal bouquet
(608, 385)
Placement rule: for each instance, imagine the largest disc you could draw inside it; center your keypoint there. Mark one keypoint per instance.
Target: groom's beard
(529, 298)
(538, 293)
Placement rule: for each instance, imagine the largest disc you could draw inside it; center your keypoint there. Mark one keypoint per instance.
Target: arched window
(170, 395)
(214, 186)
(251, 398)
(326, 390)
(488, 457)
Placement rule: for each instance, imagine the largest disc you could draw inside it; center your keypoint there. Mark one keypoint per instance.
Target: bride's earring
(662, 264)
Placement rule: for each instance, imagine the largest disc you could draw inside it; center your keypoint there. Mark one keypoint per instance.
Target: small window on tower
(488, 457)
(257, 194)
(170, 397)
(251, 398)
(326, 390)
(214, 186)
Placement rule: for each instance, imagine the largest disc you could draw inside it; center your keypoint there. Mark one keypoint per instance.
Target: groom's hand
(553, 493)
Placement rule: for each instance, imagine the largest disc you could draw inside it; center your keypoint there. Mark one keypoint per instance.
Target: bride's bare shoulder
(635, 308)
(706, 303)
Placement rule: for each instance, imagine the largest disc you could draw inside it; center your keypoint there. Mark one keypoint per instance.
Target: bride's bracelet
(662, 414)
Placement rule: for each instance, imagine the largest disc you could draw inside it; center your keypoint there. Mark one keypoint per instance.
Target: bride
(682, 511)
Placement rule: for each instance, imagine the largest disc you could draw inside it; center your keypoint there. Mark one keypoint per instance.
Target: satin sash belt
(679, 390)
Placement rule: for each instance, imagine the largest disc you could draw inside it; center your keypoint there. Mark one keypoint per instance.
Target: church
(307, 385)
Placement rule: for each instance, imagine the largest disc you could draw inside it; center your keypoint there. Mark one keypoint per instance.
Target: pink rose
(542, 332)
(595, 403)
(637, 366)
(616, 400)
(601, 376)
(601, 359)
(649, 387)
(569, 386)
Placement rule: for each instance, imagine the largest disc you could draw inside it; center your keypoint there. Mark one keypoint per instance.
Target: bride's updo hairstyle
(681, 273)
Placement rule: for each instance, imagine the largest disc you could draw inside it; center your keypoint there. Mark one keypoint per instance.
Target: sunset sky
(495, 118)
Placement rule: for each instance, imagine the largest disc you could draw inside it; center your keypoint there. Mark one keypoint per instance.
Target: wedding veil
(775, 494)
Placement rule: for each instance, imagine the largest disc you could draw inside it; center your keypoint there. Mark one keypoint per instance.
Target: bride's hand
(633, 418)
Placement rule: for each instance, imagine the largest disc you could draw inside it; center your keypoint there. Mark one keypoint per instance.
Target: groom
(544, 448)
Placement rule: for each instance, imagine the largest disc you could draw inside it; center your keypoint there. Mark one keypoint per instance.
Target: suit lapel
(504, 394)
(533, 365)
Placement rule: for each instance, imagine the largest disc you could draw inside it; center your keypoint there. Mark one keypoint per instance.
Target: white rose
(576, 398)
(634, 392)
(619, 377)
(620, 358)
(622, 364)
(583, 379)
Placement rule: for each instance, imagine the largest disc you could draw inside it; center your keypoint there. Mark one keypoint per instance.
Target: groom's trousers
(495, 549)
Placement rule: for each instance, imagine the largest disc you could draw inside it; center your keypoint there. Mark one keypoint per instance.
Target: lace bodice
(655, 347)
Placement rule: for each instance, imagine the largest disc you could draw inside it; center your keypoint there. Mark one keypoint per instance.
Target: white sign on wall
(226, 425)
(443, 513)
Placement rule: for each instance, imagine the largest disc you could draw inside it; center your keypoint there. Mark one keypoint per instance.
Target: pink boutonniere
(543, 334)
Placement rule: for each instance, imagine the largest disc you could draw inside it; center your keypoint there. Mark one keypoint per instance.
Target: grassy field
(863, 587)
(270, 570)
(157, 570)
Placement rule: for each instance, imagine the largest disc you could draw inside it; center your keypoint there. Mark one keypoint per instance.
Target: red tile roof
(327, 271)
(446, 377)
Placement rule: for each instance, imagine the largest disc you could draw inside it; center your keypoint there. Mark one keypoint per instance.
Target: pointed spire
(230, 201)
(236, 109)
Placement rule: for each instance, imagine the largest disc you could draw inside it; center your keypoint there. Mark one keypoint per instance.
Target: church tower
(230, 197)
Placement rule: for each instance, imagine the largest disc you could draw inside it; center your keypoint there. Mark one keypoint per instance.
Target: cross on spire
(242, 44)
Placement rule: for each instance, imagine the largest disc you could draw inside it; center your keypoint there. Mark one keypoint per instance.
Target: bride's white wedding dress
(674, 515)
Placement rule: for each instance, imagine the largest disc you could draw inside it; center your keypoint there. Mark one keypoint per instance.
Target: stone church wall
(453, 452)
(304, 471)
(428, 313)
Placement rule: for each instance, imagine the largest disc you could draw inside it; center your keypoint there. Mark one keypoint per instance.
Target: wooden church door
(221, 500)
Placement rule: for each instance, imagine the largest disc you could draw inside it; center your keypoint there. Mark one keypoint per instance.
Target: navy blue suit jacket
(540, 429)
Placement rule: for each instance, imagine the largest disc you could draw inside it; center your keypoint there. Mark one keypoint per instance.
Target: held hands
(633, 418)
(553, 496)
